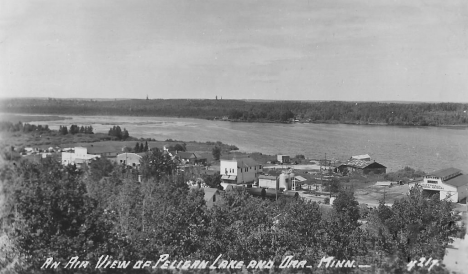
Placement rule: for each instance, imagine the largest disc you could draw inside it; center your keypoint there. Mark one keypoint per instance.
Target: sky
(359, 50)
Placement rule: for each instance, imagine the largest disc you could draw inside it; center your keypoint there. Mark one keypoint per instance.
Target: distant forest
(414, 114)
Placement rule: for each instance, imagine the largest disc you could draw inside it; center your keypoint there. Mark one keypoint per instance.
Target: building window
(214, 198)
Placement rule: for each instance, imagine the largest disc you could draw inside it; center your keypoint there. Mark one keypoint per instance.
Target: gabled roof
(460, 180)
(444, 172)
(360, 157)
(246, 162)
(363, 164)
(210, 192)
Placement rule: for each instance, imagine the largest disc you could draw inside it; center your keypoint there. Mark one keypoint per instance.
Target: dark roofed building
(191, 158)
(103, 151)
(365, 167)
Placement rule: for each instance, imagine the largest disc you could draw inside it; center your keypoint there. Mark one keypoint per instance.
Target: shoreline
(332, 122)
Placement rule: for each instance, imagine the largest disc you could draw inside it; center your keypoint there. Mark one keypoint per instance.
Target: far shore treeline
(412, 114)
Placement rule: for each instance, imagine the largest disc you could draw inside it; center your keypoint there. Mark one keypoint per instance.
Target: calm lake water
(427, 148)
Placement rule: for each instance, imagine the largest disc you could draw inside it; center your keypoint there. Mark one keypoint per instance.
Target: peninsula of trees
(412, 114)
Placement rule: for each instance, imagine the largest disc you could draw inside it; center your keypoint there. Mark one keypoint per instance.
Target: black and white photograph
(233, 136)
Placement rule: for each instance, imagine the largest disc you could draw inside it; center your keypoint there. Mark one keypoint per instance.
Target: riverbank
(35, 117)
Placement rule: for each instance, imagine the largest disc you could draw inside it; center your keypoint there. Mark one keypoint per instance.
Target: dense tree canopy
(420, 114)
(62, 211)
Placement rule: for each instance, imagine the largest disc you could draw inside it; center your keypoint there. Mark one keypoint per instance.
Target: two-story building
(239, 171)
(448, 183)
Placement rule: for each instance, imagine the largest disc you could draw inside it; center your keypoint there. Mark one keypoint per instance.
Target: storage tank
(283, 181)
(291, 178)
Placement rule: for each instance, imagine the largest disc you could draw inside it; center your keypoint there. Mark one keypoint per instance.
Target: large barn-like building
(364, 167)
(449, 183)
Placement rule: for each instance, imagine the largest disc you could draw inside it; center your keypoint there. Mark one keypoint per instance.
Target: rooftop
(101, 149)
(460, 180)
(209, 192)
(358, 163)
(243, 162)
(360, 157)
(267, 177)
(444, 172)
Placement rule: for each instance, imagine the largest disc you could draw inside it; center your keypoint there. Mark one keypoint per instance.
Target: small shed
(213, 196)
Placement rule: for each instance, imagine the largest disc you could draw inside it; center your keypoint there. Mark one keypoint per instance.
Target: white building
(78, 156)
(449, 182)
(239, 171)
(129, 159)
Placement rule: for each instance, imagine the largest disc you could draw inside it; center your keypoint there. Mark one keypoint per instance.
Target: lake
(426, 148)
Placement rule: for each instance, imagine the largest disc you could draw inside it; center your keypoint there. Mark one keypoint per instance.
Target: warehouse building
(449, 183)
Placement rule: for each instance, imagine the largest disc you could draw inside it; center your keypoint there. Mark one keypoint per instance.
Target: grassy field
(45, 140)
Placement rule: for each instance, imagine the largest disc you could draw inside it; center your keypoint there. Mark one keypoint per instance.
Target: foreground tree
(53, 215)
(414, 227)
(216, 151)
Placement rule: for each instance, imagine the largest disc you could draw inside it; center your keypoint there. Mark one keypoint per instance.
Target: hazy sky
(240, 49)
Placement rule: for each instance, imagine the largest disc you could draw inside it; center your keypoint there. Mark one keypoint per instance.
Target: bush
(326, 201)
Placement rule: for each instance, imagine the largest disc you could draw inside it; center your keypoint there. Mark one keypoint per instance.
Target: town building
(78, 156)
(363, 167)
(103, 151)
(287, 180)
(283, 159)
(129, 159)
(190, 158)
(449, 183)
(239, 171)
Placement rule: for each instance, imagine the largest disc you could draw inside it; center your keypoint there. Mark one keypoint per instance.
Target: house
(283, 158)
(78, 156)
(103, 151)
(364, 157)
(449, 183)
(213, 196)
(364, 167)
(171, 152)
(191, 158)
(239, 171)
(129, 159)
(285, 180)
(314, 186)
